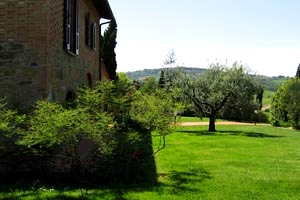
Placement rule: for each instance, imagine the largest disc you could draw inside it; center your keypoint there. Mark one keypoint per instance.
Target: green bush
(285, 107)
(113, 116)
(262, 117)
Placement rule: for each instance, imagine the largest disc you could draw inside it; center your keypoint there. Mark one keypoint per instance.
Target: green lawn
(238, 162)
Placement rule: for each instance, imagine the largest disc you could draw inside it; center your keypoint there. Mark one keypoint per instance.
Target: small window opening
(89, 80)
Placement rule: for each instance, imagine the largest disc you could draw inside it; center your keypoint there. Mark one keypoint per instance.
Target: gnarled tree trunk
(212, 120)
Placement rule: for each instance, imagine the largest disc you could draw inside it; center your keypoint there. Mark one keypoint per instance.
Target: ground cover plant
(235, 162)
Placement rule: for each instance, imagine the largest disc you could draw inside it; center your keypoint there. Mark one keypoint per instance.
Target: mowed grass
(237, 162)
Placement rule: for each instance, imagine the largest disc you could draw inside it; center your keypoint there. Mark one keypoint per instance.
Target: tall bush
(285, 105)
(117, 121)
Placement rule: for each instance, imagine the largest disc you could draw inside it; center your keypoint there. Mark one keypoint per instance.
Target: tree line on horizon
(270, 83)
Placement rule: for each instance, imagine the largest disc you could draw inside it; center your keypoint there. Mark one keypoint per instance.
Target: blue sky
(262, 34)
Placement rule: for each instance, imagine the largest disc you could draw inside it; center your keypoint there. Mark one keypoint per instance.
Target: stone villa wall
(33, 63)
(21, 76)
(23, 51)
(65, 71)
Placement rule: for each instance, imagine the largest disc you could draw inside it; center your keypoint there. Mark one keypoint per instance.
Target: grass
(237, 162)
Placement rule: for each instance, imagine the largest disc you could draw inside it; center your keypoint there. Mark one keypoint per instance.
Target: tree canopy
(211, 90)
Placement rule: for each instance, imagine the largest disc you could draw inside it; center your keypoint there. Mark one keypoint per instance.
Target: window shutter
(68, 25)
(94, 36)
(77, 27)
(87, 30)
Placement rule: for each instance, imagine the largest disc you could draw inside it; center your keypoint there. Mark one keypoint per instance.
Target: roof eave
(104, 9)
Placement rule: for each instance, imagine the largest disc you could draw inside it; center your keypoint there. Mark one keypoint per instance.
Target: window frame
(93, 38)
(71, 41)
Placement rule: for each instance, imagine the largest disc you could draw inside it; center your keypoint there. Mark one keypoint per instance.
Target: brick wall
(23, 51)
(66, 71)
(35, 28)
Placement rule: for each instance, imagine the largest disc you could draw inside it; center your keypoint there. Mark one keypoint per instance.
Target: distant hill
(274, 82)
(270, 83)
(142, 74)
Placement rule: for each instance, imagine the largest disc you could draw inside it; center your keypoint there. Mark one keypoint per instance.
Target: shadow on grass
(183, 181)
(176, 182)
(115, 193)
(225, 133)
(38, 190)
(84, 196)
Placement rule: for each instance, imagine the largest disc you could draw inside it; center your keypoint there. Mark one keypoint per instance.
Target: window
(89, 80)
(87, 30)
(90, 32)
(72, 26)
(93, 37)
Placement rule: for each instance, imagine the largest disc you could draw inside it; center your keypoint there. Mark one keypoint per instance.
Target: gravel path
(217, 123)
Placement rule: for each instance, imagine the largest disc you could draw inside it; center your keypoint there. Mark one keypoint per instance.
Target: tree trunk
(212, 120)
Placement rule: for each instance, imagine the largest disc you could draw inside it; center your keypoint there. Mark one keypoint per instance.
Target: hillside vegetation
(271, 84)
(142, 74)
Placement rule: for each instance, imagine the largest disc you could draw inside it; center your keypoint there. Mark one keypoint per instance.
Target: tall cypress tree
(162, 80)
(259, 96)
(108, 49)
(298, 72)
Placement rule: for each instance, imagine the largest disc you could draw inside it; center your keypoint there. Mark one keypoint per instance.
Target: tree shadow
(177, 182)
(252, 134)
(226, 133)
(101, 192)
(61, 191)
(183, 181)
(200, 133)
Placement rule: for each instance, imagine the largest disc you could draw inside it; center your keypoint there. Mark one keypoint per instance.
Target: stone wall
(23, 51)
(66, 73)
(33, 63)
(21, 76)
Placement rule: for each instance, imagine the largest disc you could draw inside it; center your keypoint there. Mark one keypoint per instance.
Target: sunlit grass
(238, 162)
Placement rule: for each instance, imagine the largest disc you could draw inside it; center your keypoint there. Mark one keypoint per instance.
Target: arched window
(89, 79)
(70, 96)
(90, 32)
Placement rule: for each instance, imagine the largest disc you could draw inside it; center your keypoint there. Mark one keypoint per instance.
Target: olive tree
(212, 89)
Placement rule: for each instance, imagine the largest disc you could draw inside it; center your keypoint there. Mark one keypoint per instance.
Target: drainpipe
(100, 42)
